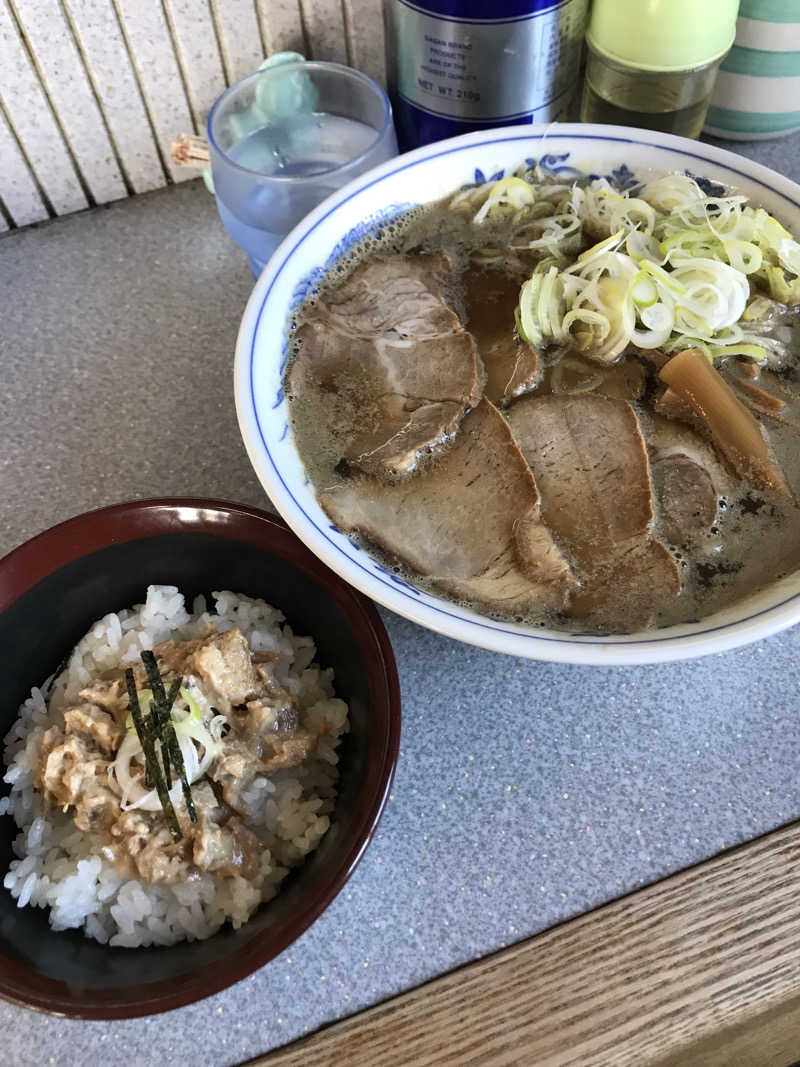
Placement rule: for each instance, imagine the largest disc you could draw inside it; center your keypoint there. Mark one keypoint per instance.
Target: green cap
(662, 34)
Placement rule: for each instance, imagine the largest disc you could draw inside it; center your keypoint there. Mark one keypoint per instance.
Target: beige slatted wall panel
(364, 28)
(150, 44)
(324, 26)
(198, 54)
(281, 26)
(69, 89)
(239, 37)
(19, 192)
(97, 30)
(92, 92)
(31, 118)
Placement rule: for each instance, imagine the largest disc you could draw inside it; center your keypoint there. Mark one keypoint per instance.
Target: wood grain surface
(699, 970)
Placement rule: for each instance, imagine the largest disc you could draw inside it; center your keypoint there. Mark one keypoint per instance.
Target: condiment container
(757, 94)
(284, 138)
(654, 63)
(460, 65)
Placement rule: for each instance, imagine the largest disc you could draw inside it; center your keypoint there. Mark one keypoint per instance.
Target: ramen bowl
(367, 205)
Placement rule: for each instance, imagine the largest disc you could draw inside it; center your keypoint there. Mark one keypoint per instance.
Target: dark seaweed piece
(180, 766)
(164, 717)
(170, 749)
(154, 678)
(147, 741)
(155, 727)
(176, 756)
(174, 689)
(157, 686)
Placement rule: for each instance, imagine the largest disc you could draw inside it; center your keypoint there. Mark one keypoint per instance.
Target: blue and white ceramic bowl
(369, 202)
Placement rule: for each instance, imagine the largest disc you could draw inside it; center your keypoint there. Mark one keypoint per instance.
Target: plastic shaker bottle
(653, 63)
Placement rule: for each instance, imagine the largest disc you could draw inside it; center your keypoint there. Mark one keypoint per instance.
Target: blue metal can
(460, 65)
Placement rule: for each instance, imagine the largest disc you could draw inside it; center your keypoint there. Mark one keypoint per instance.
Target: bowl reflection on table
(568, 152)
(51, 589)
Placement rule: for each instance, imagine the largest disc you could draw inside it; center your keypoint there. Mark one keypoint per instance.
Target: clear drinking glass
(283, 139)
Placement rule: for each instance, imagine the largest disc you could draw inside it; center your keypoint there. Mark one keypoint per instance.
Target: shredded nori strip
(157, 686)
(174, 689)
(156, 727)
(147, 741)
(170, 749)
(175, 754)
(180, 766)
(155, 680)
(164, 718)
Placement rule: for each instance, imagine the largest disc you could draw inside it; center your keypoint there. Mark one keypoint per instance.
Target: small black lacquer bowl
(51, 589)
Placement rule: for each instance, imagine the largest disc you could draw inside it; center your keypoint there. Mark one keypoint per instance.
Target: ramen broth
(754, 540)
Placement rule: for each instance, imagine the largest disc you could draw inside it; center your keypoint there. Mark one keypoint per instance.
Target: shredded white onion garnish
(199, 734)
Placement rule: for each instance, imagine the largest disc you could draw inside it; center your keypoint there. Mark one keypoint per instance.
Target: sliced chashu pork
(400, 295)
(384, 366)
(689, 479)
(589, 460)
(512, 367)
(471, 523)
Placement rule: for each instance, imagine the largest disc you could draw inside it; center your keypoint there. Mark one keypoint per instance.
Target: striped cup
(757, 93)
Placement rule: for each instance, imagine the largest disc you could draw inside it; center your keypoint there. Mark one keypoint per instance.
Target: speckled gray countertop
(525, 792)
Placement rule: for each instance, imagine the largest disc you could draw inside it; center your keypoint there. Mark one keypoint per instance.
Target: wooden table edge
(701, 968)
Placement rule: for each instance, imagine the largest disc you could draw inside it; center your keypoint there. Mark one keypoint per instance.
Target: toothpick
(187, 150)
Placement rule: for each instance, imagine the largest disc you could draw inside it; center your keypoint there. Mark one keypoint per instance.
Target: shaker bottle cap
(662, 34)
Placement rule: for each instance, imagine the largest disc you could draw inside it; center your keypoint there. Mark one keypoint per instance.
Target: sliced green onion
(194, 707)
(550, 310)
(681, 279)
(789, 254)
(644, 292)
(527, 323)
(780, 289)
(743, 256)
(642, 246)
(661, 276)
(692, 321)
(602, 246)
(598, 331)
(507, 193)
(754, 352)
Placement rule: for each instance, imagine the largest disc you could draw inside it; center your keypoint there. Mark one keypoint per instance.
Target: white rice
(66, 870)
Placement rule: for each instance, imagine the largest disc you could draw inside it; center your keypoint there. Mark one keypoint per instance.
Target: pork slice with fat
(589, 461)
(384, 366)
(400, 295)
(471, 523)
(512, 366)
(689, 479)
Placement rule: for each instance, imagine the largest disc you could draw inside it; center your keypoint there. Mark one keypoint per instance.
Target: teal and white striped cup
(757, 93)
